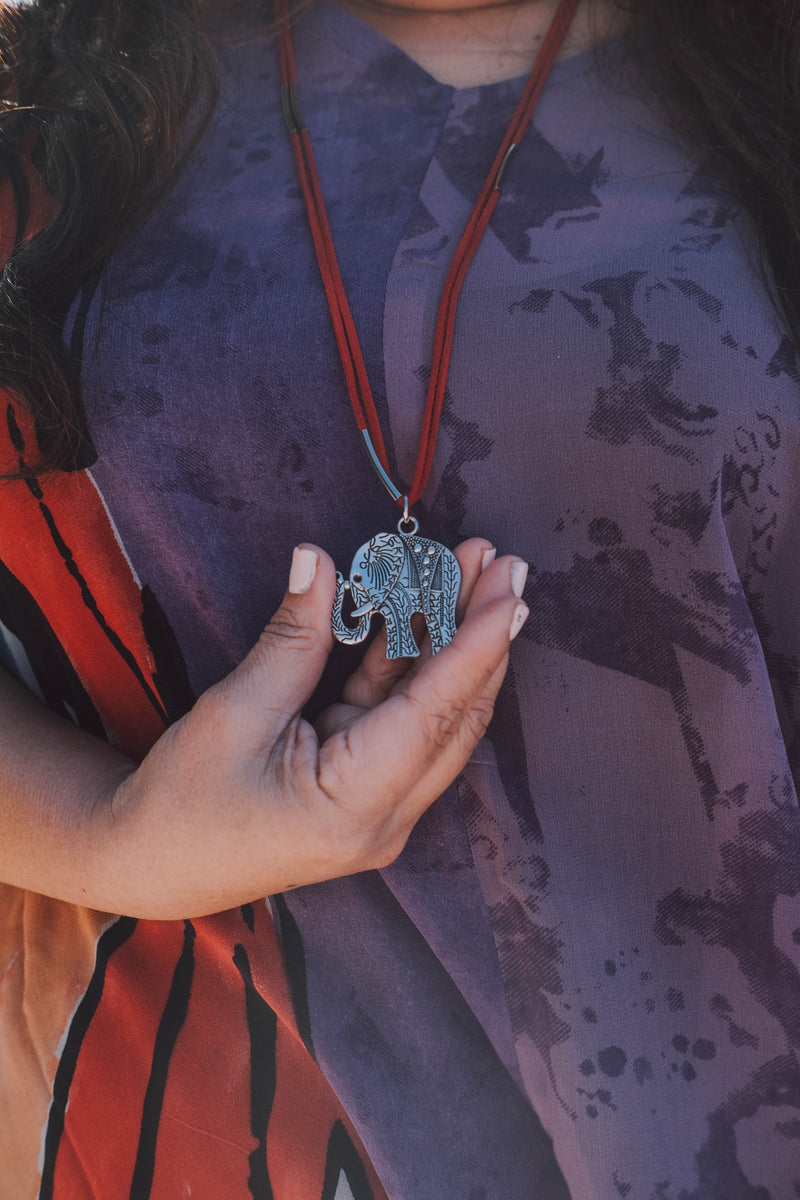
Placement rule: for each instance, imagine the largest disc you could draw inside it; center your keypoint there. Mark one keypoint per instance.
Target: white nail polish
(518, 620)
(488, 557)
(519, 573)
(304, 568)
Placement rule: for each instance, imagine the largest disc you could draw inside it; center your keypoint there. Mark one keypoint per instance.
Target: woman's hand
(242, 797)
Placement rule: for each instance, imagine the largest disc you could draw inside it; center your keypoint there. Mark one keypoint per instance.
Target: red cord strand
(344, 330)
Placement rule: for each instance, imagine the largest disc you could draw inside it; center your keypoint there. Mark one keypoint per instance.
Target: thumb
(279, 674)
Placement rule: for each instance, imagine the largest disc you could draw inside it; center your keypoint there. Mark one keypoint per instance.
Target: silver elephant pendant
(396, 575)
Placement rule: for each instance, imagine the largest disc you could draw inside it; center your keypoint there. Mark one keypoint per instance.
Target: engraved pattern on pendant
(396, 575)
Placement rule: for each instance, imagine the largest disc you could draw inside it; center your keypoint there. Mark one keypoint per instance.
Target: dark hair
(109, 97)
(727, 73)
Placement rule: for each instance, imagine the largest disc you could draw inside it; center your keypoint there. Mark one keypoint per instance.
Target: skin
(473, 42)
(242, 797)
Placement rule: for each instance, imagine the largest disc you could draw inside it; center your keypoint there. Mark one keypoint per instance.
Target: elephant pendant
(396, 575)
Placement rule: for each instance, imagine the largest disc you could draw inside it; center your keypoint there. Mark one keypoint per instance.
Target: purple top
(594, 936)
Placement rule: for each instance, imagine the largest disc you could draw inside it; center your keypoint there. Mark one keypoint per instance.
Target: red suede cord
(344, 329)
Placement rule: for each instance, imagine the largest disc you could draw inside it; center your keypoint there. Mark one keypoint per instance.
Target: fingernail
(518, 620)
(488, 557)
(519, 573)
(304, 568)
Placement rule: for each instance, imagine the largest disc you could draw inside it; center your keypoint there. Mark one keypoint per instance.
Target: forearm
(52, 778)
(240, 798)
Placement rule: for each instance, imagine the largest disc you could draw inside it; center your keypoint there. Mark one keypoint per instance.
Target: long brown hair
(109, 97)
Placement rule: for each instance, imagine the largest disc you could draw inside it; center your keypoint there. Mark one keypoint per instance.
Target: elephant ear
(384, 559)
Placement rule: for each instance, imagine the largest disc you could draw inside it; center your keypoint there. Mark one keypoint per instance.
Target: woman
(581, 976)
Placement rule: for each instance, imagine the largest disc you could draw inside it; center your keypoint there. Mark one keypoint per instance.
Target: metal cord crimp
(376, 462)
(501, 170)
(291, 108)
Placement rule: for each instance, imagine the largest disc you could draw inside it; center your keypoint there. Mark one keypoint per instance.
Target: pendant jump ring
(408, 526)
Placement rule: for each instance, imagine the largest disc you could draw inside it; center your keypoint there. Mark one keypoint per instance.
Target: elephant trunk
(343, 633)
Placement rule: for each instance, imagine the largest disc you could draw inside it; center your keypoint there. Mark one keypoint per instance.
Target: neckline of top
(338, 26)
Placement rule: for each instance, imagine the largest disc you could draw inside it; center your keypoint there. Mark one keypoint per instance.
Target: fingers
(413, 745)
(279, 674)
(377, 675)
(485, 578)
(501, 576)
(335, 718)
(473, 557)
(473, 666)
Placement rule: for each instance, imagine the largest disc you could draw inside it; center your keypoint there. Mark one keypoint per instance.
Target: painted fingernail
(304, 568)
(488, 557)
(519, 573)
(518, 620)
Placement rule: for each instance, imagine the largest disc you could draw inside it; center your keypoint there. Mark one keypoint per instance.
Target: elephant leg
(400, 641)
(435, 633)
(440, 605)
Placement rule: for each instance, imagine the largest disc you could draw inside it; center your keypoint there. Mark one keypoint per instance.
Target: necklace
(399, 574)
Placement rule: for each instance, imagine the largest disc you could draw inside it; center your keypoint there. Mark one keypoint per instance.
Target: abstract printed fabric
(582, 977)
